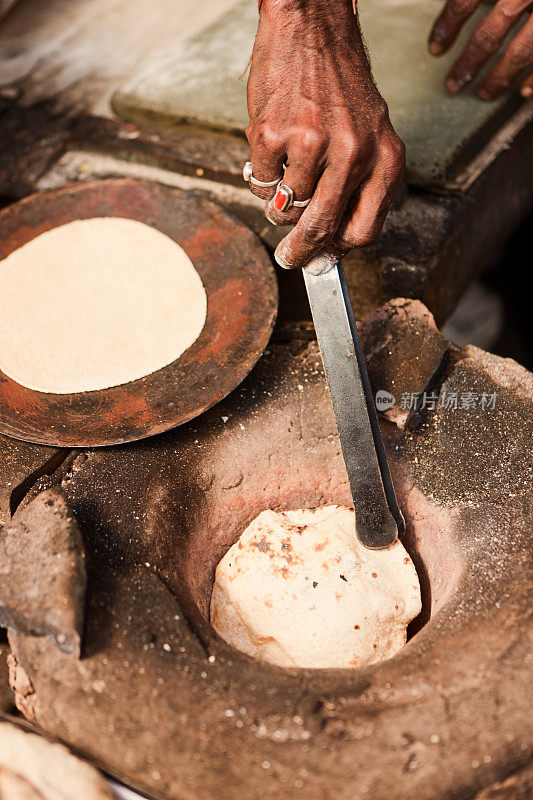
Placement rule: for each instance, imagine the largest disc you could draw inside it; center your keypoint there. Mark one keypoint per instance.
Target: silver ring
(284, 198)
(248, 176)
(301, 203)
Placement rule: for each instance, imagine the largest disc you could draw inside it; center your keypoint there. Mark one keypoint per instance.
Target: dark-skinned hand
(484, 42)
(314, 107)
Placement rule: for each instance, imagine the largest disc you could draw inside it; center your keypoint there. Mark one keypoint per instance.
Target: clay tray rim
(242, 309)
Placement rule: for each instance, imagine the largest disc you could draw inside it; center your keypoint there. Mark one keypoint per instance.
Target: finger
(319, 220)
(267, 153)
(449, 23)
(364, 219)
(526, 89)
(517, 57)
(485, 40)
(305, 164)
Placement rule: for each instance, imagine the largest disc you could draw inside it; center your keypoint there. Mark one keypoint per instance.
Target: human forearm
(307, 4)
(315, 108)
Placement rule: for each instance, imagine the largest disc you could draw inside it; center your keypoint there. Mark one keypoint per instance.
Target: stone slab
(198, 81)
(21, 463)
(7, 704)
(5, 5)
(404, 352)
(42, 572)
(76, 54)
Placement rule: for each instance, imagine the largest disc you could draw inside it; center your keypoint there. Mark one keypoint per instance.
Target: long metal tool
(378, 517)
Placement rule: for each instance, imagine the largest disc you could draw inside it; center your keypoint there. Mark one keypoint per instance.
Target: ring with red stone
(248, 176)
(284, 199)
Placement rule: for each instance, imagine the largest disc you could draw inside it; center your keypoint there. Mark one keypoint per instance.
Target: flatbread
(299, 590)
(96, 303)
(13, 787)
(45, 771)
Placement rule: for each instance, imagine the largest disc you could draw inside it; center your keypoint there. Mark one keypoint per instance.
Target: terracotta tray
(242, 301)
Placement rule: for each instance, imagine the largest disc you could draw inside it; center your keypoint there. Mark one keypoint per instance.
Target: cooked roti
(299, 590)
(96, 303)
(32, 768)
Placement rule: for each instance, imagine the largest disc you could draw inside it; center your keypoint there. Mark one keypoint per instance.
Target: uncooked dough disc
(299, 590)
(96, 303)
(32, 768)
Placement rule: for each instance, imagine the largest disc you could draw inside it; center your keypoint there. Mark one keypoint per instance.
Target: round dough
(96, 303)
(299, 590)
(32, 768)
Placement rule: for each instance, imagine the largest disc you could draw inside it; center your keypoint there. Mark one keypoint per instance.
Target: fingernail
(282, 263)
(526, 91)
(435, 48)
(453, 86)
(280, 256)
(270, 217)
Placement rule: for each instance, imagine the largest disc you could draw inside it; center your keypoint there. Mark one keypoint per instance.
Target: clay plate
(242, 302)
